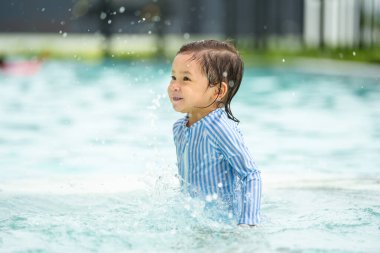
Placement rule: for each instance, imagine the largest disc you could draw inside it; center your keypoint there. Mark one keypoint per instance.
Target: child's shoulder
(180, 123)
(221, 125)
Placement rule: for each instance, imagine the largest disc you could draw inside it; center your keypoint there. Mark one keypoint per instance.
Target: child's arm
(233, 148)
(250, 198)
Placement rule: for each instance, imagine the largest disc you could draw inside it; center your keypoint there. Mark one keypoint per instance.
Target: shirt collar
(209, 117)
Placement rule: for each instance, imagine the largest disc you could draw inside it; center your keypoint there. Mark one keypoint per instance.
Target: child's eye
(173, 78)
(185, 78)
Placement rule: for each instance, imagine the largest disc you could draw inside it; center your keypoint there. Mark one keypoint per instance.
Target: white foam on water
(76, 185)
(139, 182)
(319, 180)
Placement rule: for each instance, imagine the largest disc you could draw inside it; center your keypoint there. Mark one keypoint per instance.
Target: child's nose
(174, 86)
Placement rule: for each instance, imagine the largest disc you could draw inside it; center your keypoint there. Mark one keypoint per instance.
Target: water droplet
(214, 196)
(43, 9)
(209, 198)
(122, 9)
(64, 35)
(60, 31)
(156, 19)
(186, 36)
(225, 74)
(353, 53)
(220, 185)
(109, 21)
(103, 15)
(149, 32)
(231, 83)
(283, 60)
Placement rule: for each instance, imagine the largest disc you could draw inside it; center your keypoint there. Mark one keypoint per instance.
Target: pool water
(88, 163)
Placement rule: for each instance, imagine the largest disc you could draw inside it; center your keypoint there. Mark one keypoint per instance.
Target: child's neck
(194, 117)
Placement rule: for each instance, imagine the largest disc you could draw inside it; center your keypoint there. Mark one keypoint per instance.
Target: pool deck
(334, 67)
(89, 45)
(133, 46)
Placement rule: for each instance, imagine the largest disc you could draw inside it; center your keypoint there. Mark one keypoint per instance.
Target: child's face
(189, 88)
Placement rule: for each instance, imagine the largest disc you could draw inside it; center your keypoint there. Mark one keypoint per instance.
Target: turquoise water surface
(88, 164)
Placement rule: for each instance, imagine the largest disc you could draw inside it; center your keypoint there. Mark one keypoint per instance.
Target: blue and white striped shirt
(214, 163)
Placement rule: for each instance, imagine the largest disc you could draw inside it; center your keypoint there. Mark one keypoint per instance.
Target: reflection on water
(88, 164)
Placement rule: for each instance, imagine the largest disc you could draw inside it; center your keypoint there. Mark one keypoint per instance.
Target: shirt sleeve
(177, 132)
(233, 148)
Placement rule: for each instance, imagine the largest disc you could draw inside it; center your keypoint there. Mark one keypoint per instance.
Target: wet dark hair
(220, 62)
(2, 61)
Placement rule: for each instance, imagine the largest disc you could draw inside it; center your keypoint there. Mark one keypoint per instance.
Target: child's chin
(178, 109)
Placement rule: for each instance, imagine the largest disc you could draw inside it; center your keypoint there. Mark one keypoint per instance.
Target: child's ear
(221, 91)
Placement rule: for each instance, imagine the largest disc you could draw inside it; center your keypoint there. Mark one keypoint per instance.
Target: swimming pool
(88, 163)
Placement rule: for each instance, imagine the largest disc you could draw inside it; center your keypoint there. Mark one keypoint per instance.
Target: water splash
(103, 15)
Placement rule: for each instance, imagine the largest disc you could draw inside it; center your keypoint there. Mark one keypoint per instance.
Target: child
(213, 161)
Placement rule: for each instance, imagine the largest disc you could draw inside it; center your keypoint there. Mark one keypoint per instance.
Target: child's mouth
(177, 98)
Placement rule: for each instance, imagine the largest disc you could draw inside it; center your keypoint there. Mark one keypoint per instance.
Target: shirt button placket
(186, 158)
